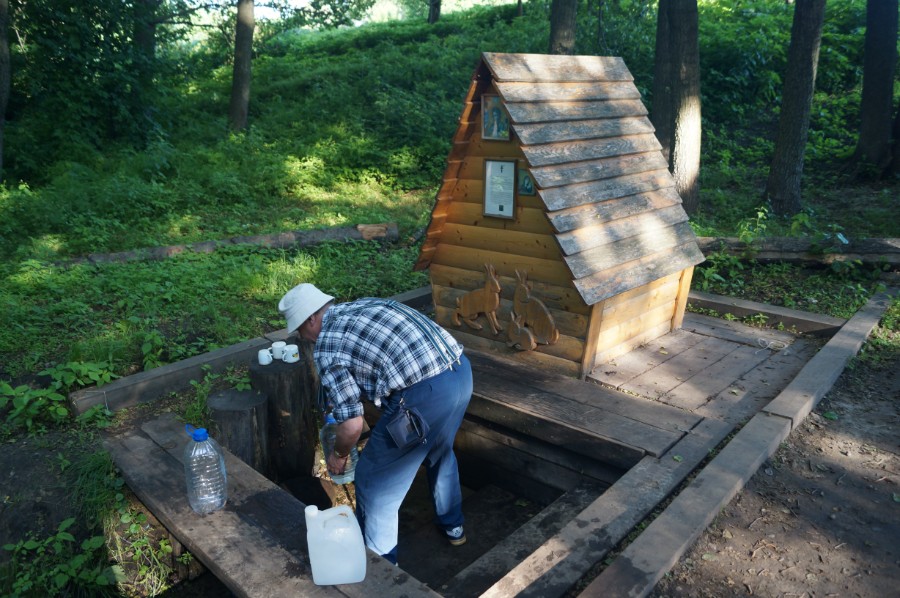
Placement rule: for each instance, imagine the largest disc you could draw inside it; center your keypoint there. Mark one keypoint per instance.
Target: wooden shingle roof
(597, 166)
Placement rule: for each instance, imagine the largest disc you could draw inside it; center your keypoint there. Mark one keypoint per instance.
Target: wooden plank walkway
(706, 358)
(256, 545)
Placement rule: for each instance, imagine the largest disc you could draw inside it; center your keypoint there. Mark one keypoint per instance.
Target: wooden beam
(586, 195)
(534, 112)
(588, 360)
(535, 134)
(820, 373)
(513, 91)
(623, 198)
(555, 68)
(565, 175)
(575, 151)
(536, 245)
(641, 565)
(805, 251)
(802, 321)
(598, 261)
(606, 237)
(684, 288)
(630, 275)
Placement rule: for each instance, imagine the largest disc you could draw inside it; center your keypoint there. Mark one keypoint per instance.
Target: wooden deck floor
(643, 402)
(710, 368)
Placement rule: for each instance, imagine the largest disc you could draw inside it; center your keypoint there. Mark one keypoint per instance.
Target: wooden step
(604, 424)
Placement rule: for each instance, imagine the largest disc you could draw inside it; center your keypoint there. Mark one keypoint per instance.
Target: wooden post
(684, 288)
(242, 419)
(293, 425)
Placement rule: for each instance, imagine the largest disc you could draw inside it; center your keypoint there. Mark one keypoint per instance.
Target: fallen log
(386, 232)
(806, 251)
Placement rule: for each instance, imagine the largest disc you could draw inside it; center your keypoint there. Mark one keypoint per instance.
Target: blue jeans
(385, 473)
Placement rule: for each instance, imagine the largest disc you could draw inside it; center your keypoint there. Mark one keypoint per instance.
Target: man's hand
(348, 432)
(335, 464)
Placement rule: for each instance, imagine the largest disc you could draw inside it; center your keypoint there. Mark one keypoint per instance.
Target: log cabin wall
(604, 240)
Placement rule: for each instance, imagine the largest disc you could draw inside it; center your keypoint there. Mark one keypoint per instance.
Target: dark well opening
(518, 491)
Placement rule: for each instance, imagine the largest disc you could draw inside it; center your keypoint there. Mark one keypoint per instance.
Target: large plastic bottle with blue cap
(204, 470)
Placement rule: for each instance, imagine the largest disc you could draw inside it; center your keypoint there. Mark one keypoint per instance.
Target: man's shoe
(456, 536)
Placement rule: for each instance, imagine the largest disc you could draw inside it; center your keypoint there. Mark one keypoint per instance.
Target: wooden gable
(605, 218)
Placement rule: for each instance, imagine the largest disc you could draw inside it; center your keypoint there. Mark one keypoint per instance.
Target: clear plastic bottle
(204, 469)
(328, 436)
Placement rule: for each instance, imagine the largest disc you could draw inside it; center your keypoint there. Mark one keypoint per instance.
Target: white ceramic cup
(264, 356)
(291, 354)
(278, 349)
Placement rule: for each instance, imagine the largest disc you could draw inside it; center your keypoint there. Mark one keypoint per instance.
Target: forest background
(111, 144)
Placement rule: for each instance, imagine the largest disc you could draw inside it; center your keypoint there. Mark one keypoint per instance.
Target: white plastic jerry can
(337, 552)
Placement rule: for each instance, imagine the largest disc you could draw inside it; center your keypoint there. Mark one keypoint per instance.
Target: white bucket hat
(301, 302)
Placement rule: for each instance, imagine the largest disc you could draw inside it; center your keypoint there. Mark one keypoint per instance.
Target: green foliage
(73, 375)
(814, 290)
(32, 408)
(721, 272)
(53, 566)
(196, 411)
(75, 81)
(750, 229)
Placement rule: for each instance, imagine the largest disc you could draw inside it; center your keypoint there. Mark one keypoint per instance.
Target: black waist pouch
(407, 427)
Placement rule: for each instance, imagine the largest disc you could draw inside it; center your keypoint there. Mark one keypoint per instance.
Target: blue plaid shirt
(367, 349)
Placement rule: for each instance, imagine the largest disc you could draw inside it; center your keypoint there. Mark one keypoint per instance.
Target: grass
(350, 126)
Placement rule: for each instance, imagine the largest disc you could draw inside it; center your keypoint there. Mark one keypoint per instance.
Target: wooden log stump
(293, 426)
(242, 419)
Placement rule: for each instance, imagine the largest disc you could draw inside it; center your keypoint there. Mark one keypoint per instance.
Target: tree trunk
(145, 22)
(240, 81)
(434, 11)
(661, 115)
(873, 151)
(5, 74)
(783, 184)
(895, 162)
(686, 102)
(562, 26)
(676, 95)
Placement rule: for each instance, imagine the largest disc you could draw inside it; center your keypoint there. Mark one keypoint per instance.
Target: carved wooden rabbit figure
(520, 337)
(535, 314)
(485, 301)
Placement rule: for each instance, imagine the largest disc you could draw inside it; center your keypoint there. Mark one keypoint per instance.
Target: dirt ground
(822, 518)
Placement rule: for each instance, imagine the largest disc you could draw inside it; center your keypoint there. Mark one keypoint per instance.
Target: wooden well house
(557, 236)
